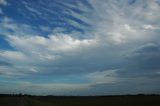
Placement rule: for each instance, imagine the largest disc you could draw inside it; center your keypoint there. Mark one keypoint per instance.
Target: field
(80, 101)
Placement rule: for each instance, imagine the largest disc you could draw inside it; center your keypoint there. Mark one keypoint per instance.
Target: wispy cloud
(2, 3)
(119, 46)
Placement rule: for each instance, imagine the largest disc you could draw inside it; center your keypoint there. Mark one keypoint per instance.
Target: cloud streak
(116, 47)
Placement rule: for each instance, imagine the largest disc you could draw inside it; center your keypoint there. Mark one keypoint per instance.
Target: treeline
(27, 95)
(14, 95)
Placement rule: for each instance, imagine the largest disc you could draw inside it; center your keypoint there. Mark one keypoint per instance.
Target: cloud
(13, 55)
(44, 88)
(119, 51)
(3, 63)
(146, 57)
(10, 27)
(62, 13)
(1, 11)
(104, 77)
(150, 27)
(2, 3)
(111, 39)
(38, 51)
(48, 48)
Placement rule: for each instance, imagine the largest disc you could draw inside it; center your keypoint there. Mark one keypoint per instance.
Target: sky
(79, 47)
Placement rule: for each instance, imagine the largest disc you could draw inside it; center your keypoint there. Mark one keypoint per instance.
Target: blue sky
(79, 47)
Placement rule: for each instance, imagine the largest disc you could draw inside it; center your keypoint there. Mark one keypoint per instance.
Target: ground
(80, 101)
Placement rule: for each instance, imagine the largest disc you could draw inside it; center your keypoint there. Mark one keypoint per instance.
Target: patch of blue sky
(78, 79)
(4, 45)
(130, 2)
(56, 16)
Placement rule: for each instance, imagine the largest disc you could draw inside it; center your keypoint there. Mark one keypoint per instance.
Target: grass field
(80, 101)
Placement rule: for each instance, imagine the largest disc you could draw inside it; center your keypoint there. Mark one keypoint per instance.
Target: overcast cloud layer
(82, 47)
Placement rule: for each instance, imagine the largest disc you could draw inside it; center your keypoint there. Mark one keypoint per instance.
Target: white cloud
(34, 51)
(9, 26)
(49, 46)
(3, 2)
(104, 77)
(121, 23)
(45, 28)
(150, 27)
(13, 55)
(11, 72)
(114, 24)
(117, 29)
